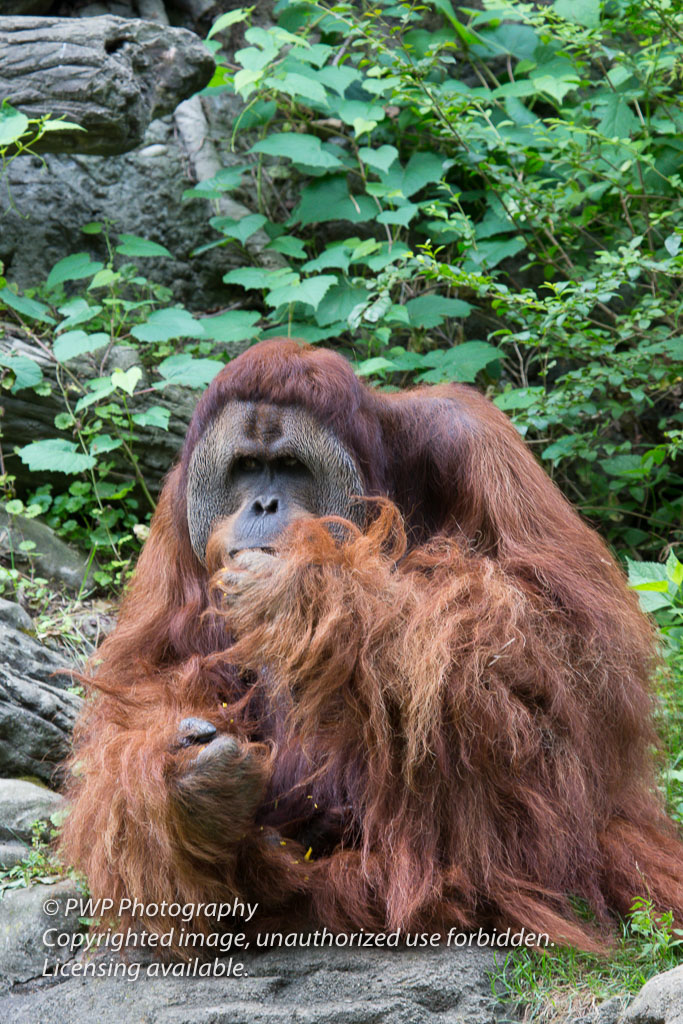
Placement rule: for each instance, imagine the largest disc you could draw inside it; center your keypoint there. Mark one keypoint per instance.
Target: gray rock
(11, 854)
(323, 986)
(660, 1000)
(37, 714)
(22, 803)
(140, 192)
(111, 76)
(51, 557)
(14, 615)
(23, 924)
(610, 1011)
(24, 7)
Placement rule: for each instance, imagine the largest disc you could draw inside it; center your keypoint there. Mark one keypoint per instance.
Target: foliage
(491, 196)
(115, 318)
(39, 864)
(563, 983)
(495, 197)
(660, 590)
(19, 133)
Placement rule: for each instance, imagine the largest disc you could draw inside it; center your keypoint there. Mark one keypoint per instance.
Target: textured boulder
(323, 986)
(23, 923)
(112, 76)
(37, 714)
(22, 803)
(51, 557)
(660, 1001)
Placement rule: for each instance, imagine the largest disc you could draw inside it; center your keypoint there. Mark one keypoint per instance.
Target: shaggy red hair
(455, 699)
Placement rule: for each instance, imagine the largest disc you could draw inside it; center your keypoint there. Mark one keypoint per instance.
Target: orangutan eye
(246, 462)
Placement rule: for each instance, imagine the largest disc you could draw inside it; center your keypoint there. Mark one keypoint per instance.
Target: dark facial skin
(272, 490)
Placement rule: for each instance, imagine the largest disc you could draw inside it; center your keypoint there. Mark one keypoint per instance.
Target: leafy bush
(491, 196)
(118, 313)
(660, 589)
(495, 197)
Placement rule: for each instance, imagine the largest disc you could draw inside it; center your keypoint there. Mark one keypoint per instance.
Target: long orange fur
(456, 698)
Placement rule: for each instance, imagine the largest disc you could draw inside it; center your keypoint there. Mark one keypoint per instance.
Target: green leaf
(674, 569)
(63, 126)
(167, 324)
(644, 573)
(422, 169)
(235, 325)
(189, 372)
(55, 455)
(518, 398)
(335, 256)
(26, 372)
(617, 119)
(103, 279)
(446, 8)
(26, 307)
(560, 448)
(522, 87)
(461, 363)
(581, 12)
(100, 388)
(351, 111)
(13, 124)
(228, 19)
(241, 229)
(77, 343)
(133, 245)
(328, 199)
(375, 365)
(338, 78)
(126, 380)
(301, 148)
(386, 255)
(77, 311)
(155, 416)
(104, 443)
(659, 586)
(306, 332)
(431, 310)
(311, 291)
(380, 159)
(339, 301)
(402, 215)
(489, 254)
(252, 277)
(623, 465)
(72, 268)
(224, 180)
(299, 87)
(290, 246)
(672, 244)
(406, 361)
(555, 85)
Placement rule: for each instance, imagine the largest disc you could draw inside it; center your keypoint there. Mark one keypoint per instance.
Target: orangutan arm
(162, 808)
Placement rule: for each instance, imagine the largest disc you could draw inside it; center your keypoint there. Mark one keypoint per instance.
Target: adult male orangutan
(372, 671)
